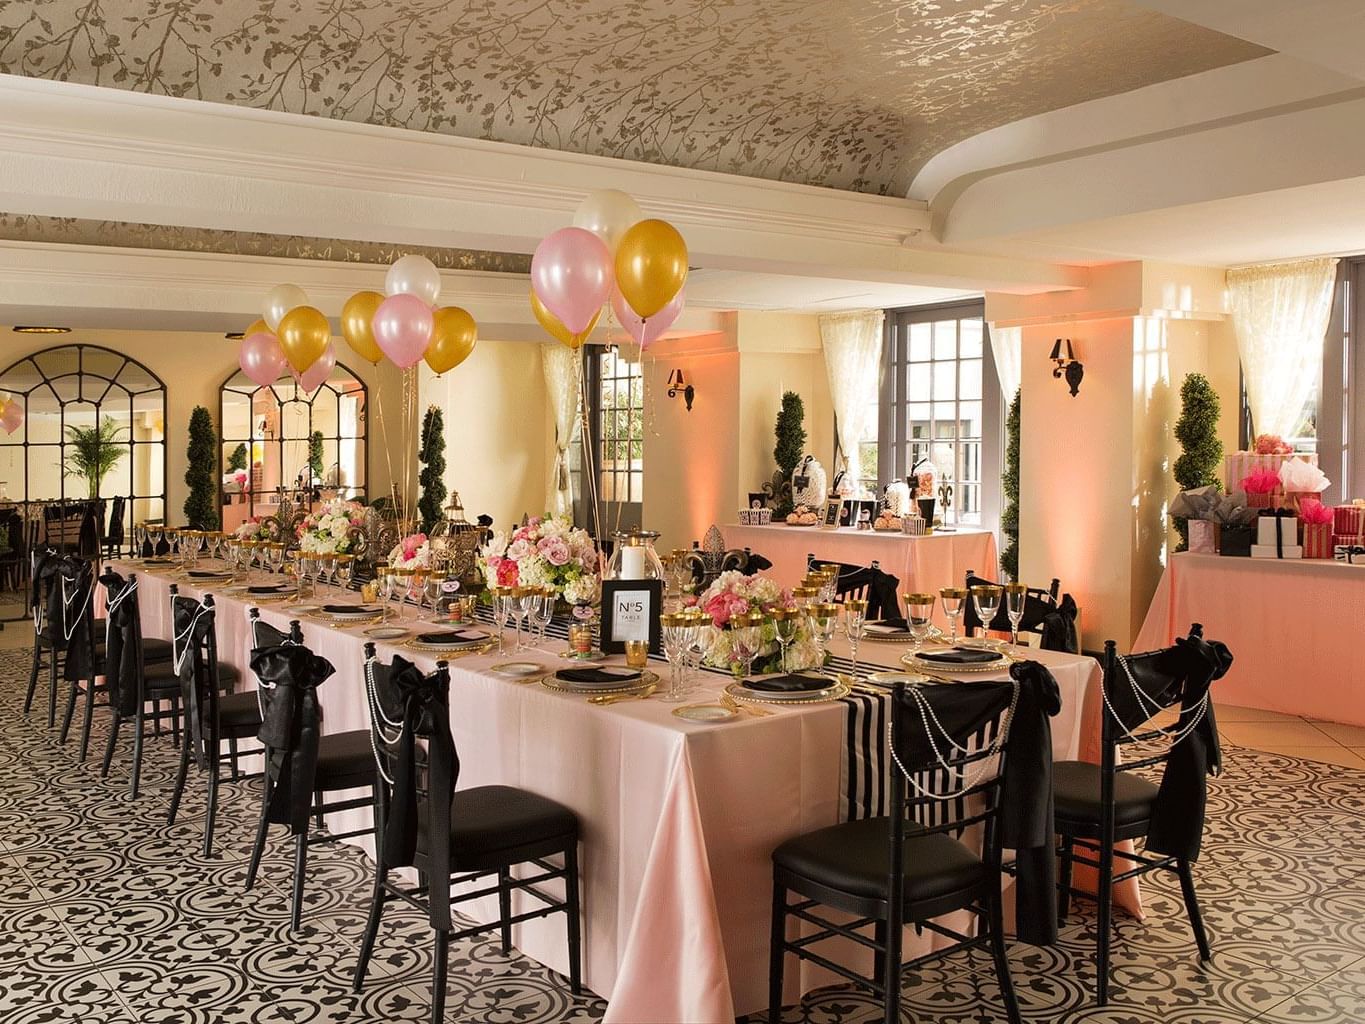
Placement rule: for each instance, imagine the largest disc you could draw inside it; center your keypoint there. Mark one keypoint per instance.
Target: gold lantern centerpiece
(455, 542)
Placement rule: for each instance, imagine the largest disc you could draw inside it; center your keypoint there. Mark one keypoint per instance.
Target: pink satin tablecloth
(1293, 627)
(679, 820)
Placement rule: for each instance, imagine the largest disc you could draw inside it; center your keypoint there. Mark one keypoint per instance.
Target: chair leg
(891, 1002)
(376, 901)
(438, 976)
(181, 774)
(571, 890)
(109, 746)
(211, 811)
(33, 677)
(139, 729)
(52, 692)
(175, 721)
(232, 756)
(505, 909)
(262, 827)
(1105, 896)
(156, 719)
(300, 867)
(70, 712)
(86, 720)
(1192, 909)
(776, 953)
(1064, 879)
(878, 960)
(317, 809)
(1002, 967)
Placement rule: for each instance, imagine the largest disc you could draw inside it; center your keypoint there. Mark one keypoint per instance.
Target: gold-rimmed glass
(855, 619)
(1016, 596)
(952, 598)
(786, 623)
(919, 616)
(824, 619)
(987, 602)
(674, 629)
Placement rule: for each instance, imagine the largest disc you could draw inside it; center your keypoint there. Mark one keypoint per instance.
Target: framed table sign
(833, 510)
(630, 611)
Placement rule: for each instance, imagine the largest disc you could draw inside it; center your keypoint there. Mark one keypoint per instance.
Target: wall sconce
(1067, 364)
(677, 385)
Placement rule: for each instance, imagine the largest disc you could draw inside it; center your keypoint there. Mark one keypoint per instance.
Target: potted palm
(91, 452)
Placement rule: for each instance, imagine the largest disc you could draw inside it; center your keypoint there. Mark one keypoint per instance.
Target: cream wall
(193, 366)
(498, 428)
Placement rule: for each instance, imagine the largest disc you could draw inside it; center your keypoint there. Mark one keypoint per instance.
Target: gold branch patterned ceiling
(851, 94)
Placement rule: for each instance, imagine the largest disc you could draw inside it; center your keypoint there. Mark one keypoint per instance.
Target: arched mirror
(282, 441)
(91, 449)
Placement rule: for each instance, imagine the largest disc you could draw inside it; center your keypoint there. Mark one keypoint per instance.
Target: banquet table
(1291, 626)
(927, 563)
(679, 819)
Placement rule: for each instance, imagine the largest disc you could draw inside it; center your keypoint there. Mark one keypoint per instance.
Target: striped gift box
(1240, 465)
(1317, 540)
(1348, 520)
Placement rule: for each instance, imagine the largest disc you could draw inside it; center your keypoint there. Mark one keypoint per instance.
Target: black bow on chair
(120, 648)
(291, 723)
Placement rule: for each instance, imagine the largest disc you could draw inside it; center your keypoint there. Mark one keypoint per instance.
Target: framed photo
(855, 510)
(833, 510)
(757, 500)
(630, 611)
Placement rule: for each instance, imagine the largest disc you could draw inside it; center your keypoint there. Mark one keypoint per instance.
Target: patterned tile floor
(109, 916)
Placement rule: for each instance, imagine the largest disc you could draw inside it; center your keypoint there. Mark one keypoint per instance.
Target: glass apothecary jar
(634, 557)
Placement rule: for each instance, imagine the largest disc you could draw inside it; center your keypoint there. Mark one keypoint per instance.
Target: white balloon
(414, 275)
(279, 301)
(608, 213)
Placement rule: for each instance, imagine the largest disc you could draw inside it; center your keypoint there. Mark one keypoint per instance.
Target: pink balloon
(12, 416)
(261, 358)
(571, 274)
(402, 329)
(312, 378)
(646, 332)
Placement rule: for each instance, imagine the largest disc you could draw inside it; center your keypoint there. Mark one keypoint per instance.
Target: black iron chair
(880, 589)
(113, 531)
(302, 766)
(1099, 805)
(454, 837)
(912, 866)
(1038, 604)
(50, 635)
(209, 717)
(12, 557)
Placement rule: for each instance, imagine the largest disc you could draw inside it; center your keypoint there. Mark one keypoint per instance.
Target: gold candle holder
(637, 653)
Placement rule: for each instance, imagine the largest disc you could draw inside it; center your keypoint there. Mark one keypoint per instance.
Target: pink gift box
(1348, 519)
(1203, 537)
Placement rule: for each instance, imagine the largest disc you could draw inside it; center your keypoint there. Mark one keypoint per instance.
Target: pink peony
(554, 549)
(507, 573)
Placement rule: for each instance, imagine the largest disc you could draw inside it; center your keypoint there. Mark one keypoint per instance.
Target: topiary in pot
(791, 445)
(1201, 450)
(432, 456)
(1009, 483)
(201, 505)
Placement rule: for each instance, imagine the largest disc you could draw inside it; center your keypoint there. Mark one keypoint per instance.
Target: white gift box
(914, 526)
(1350, 554)
(1265, 530)
(1270, 551)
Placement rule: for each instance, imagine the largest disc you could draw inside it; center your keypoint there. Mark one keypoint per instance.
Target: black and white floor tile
(110, 916)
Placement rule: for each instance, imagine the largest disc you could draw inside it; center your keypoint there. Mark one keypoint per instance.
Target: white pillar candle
(632, 562)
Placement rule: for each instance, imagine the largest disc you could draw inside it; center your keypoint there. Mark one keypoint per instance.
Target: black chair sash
(1182, 675)
(71, 618)
(120, 650)
(192, 621)
(1059, 627)
(291, 722)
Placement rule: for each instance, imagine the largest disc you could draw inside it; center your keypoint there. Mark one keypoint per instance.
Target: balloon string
(384, 430)
(589, 463)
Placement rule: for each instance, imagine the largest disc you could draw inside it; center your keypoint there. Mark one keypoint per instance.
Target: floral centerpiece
(249, 530)
(734, 594)
(412, 552)
(328, 530)
(549, 552)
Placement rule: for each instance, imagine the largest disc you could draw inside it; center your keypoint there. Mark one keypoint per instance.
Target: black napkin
(960, 656)
(793, 682)
(452, 636)
(351, 609)
(265, 588)
(899, 625)
(207, 573)
(596, 675)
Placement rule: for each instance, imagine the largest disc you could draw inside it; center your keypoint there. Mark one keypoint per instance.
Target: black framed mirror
(280, 441)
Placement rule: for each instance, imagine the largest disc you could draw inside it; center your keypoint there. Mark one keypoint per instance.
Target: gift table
(924, 563)
(679, 820)
(1293, 627)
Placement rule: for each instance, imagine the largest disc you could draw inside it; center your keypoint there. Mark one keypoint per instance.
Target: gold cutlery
(730, 702)
(602, 700)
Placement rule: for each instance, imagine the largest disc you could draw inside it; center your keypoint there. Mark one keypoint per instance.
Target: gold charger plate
(945, 668)
(744, 695)
(647, 678)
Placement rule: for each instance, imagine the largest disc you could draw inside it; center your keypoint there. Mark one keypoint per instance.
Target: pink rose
(554, 549)
(507, 573)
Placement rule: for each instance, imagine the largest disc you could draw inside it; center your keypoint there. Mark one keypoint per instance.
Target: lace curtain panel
(853, 360)
(563, 383)
(1006, 348)
(1280, 313)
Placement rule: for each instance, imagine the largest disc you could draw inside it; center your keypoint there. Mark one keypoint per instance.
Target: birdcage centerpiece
(454, 544)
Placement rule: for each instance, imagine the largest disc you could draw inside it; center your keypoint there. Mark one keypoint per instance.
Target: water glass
(824, 619)
(987, 601)
(675, 629)
(919, 617)
(952, 598)
(344, 571)
(787, 621)
(1016, 595)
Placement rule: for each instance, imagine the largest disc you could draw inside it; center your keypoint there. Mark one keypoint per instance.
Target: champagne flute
(502, 613)
(855, 618)
(1016, 595)
(919, 617)
(699, 639)
(952, 598)
(545, 612)
(786, 621)
(526, 600)
(403, 580)
(987, 601)
(381, 585)
(675, 627)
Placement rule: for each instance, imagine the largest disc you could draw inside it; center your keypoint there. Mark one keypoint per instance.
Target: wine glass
(435, 588)
(526, 601)
(805, 595)
(952, 598)
(1016, 595)
(402, 578)
(751, 637)
(681, 568)
(855, 618)
(544, 612)
(824, 619)
(699, 639)
(343, 571)
(381, 589)
(675, 627)
(987, 601)
(919, 617)
(156, 533)
(829, 588)
(786, 621)
(417, 587)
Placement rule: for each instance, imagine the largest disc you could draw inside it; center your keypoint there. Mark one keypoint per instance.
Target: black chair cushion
(1076, 792)
(154, 651)
(486, 821)
(161, 678)
(852, 858)
(239, 714)
(345, 760)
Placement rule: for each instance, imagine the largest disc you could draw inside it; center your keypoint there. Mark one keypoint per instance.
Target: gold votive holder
(369, 592)
(637, 653)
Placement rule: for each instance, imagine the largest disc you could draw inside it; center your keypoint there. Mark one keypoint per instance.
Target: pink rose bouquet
(546, 551)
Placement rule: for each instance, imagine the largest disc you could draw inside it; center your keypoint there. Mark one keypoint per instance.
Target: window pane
(919, 342)
(945, 339)
(969, 423)
(945, 381)
(970, 378)
(969, 338)
(918, 384)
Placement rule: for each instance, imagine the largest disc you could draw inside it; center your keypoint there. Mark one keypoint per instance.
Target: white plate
(892, 678)
(518, 669)
(706, 713)
(589, 657)
(385, 632)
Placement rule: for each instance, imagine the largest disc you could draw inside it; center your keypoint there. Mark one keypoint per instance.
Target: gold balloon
(555, 328)
(355, 325)
(257, 327)
(304, 334)
(651, 266)
(453, 333)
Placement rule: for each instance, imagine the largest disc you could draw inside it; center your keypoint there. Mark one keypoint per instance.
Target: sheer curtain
(853, 360)
(563, 382)
(1280, 312)
(1006, 348)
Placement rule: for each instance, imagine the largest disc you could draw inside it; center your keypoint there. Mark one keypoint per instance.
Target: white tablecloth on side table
(679, 820)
